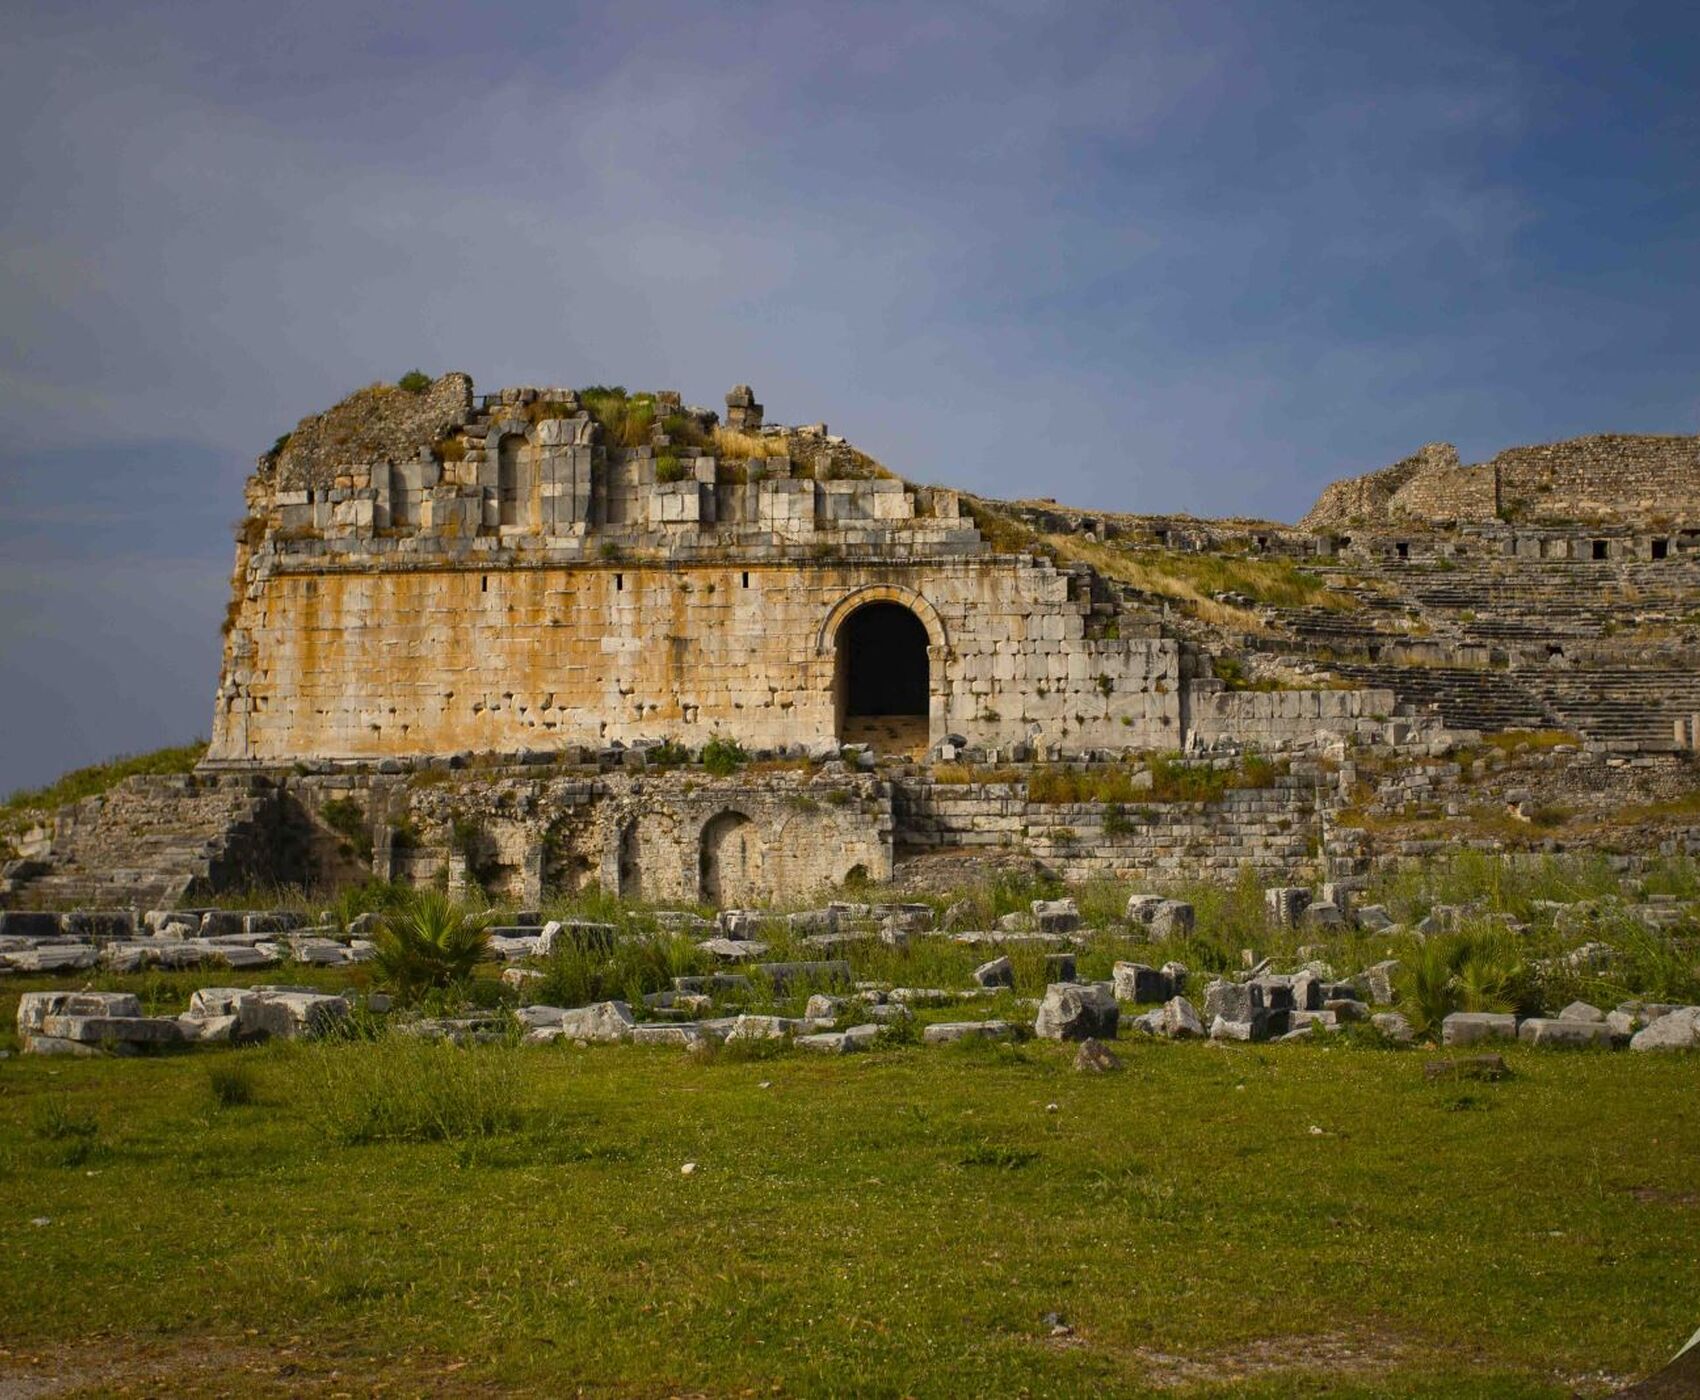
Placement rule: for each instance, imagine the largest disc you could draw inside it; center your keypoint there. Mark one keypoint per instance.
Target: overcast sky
(1180, 256)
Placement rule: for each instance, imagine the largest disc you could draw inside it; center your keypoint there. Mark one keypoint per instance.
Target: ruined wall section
(1606, 478)
(347, 662)
(1368, 499)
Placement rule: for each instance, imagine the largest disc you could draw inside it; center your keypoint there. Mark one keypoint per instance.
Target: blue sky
(1199, 257)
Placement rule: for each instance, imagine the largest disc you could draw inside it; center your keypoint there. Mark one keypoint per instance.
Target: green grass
(894, 1223)
(26, 804)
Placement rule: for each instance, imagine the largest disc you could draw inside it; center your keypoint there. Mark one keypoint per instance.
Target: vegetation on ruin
(415, 381)
(732, 445)
(669, 468)
(723, 756)
(430, 942)
(28, 805)
(627, 420)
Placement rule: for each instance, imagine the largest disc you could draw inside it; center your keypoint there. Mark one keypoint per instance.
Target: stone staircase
(152, 841)
(1464, 697)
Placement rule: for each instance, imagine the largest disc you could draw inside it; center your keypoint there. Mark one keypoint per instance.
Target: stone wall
(1273, 830)
(1608, 477)
(1617, 478)
(1286, 718)
(352, 663)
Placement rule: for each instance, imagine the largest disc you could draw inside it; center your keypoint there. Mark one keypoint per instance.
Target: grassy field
(1271, 1220)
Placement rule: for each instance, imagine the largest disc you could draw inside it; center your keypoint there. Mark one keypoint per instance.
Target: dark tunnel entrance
(883, 679)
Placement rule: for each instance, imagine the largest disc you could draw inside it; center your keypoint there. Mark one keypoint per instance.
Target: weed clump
(410, 1089)
(430, 942)
(723, 757)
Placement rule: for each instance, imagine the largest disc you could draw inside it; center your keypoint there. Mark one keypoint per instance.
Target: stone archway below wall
(729, 861)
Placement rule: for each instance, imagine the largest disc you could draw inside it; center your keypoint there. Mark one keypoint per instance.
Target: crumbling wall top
(382, 422)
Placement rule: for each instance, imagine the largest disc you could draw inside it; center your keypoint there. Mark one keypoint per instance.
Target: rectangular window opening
(1599, 549)
(1661, 549)
(484, 584)
(619, 583)
(746, 578)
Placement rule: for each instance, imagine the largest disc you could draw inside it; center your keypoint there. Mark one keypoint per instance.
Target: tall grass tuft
(578, 974)
(410, 1089)
(231, 1085)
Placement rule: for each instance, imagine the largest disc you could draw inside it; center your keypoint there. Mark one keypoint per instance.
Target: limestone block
(1474, 1027)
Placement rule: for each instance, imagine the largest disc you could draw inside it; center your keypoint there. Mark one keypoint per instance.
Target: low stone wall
(1286, 718)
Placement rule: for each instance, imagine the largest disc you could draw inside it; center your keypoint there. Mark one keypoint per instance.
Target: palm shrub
(1472, 971)
(430, 941)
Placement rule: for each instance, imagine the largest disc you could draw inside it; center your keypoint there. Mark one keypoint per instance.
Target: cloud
(1141, 256)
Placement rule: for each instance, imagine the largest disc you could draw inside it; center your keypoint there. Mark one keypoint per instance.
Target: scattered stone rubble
(842, 1015)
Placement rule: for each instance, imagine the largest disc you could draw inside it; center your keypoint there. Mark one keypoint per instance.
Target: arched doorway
(729, 860)
(883, 680)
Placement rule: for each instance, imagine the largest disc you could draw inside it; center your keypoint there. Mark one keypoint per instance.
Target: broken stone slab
(1232, 1001)
(892, 1013)
(279, 1014)
(1581, 1011)
(99, 925)
(100, 1030)
(1322, 916)
(822, 1007)
(684, 1035)
(1321, 1020)
(750, 1027)
(29, 923)
(603, 1022)
(1055, 915)
(839, 1042)
(1306, 988)
(1142, 908)
(1376, 983)
(1277, 992)
(1173, 918)
(64, 957)
(1473, 1027)
(1393, 1027)
(1138, 983)
(518, 976)
(1676, 1030)
(1059, 967)
(1255, 1028)
(1178, 1020)
(733, 950)
(1094, 1057)
(999, 972)
(1077, 1010)
(35, 1007)
(508, 947)
(1374, 918)
(948, 1032)
(590, 937)
(209, 1030)
(1285, 903)
(1538, 1030)
(920, 996)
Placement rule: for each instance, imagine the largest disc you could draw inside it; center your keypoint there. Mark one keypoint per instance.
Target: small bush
(669, 468)
(723, 757)
(415, 381)
(347, 818)
(431, 941)
(669, 753)
(232, 1086)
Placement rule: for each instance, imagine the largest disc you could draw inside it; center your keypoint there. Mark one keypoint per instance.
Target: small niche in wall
(619, 583)
(1661, 549)
(746, 578)
(484, 584)
(1599, 549)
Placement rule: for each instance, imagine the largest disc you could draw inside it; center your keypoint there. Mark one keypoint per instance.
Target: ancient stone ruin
(547, 639)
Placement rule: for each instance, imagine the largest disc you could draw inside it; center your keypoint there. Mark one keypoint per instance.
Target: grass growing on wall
(26, 804)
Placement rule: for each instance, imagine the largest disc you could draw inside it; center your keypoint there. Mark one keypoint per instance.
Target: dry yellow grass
(730, 445)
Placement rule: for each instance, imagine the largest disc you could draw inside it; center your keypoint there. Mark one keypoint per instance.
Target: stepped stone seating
(1465, 698)
(149, 841)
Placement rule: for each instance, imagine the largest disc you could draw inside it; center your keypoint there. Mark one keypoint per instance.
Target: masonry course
(492, 627)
